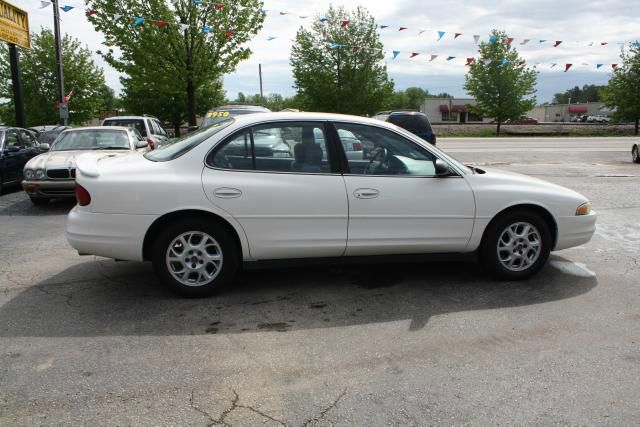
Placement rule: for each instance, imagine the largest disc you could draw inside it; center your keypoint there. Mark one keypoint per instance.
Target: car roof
(103, 128)
(406, 113)
(250, 119)
(241, 107)
(129, 118)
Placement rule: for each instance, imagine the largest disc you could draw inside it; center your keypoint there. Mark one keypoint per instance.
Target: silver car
(52, 175)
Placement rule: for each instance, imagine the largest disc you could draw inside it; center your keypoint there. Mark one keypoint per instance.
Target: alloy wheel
(519, 246)
(194, 258)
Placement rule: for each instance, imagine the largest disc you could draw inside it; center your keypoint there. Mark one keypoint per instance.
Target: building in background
(451, 110)
(567, 112)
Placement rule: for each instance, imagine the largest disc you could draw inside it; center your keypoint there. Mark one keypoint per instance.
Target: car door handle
(366, 193)
(227, 193)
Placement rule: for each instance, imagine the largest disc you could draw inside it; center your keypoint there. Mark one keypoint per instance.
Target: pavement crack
(235, 404)
(212, 420)
(68, 297)
(325, 411)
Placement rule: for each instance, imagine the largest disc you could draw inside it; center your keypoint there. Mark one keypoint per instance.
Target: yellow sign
(14, 25)
(213, 114)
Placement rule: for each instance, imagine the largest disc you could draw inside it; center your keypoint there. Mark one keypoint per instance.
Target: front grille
(61, 173)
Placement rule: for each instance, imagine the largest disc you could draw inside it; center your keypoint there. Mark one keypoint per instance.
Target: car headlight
(28, 174)
(40, 174)
(584, 209)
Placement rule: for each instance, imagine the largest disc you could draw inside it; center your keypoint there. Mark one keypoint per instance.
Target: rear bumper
(115, 236)
(575, 230)
(49, 189)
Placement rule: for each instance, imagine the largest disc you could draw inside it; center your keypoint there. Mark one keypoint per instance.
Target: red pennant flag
(228, 34)
(91, 12)
(344, 22)
(356, 48)
(402, 28)
(509, 41)
(161, 23)
(557, 43)
(567, 66)
(414, 54)
(614, 66)
(604, 43)
(456, 35)
(469, 61)
(219, 6)
(521, 62)
(67, 97)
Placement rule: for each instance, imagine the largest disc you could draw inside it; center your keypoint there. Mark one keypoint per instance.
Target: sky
(576, 23)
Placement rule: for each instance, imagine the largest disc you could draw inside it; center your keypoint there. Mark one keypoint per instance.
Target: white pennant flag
(44, 4)
(433, 57)
(116, 17)
(487, 61)
(476, 38)
(184, 27)
(525, 41)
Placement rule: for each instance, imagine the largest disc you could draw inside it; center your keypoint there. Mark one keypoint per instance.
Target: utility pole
(260, 75)
(63, 108)
(18, 100)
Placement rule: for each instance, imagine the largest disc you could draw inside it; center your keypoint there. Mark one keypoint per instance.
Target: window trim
(347, 170)
(330, 142)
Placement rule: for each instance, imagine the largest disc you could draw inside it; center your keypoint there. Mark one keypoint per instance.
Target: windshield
(179, 146)
(127, 123)
(219, 116)
(92, 140)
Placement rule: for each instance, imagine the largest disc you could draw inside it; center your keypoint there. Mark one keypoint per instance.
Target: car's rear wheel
(195, 257)
(516, 245)
(635, 154)
(39, 201)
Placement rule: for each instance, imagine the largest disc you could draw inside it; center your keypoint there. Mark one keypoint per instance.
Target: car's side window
(11, 139)
(160, 129)
(27, 139)
(282, 147)
(387, 153)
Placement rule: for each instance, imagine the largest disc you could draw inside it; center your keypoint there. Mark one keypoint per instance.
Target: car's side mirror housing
(142, 143)
(44, 146)
(442, 168)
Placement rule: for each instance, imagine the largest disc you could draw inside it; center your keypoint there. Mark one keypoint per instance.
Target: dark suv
(413, 121)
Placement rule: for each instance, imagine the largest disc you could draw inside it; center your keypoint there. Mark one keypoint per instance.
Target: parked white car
(199, 207)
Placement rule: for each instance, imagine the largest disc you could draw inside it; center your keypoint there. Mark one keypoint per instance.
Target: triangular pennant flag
(344, 22)
(525, 41)
(66, 8)
(598, 66)
(139, 20)
(382, 27)
(414, 54)
(504, 61)
(493, 39)
(521, 63)
(116, 18)
(487, 61)
(557, 43)
(91, 12)
(604, 43)
(303, 17)
(543, 41)
(590, 44)
(441, 35)
(450, 58)
(44, 4)
(161, 23)
(284, 13)
(553, 65)
(421, 31)
(334, 46)
(206, 29)
(432, 57)
(469, 61)
(356, 48)
(184, 27)
(567, 66)
(395, 54)
(228, 34)
(323, 19)
(219, 6)
(402, 28)
(509, 41)
(614, 66)
(476, 38)
(635, 44)
(456, 35)
(271, 38)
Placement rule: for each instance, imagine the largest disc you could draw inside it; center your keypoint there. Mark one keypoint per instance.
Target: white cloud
(575, 22)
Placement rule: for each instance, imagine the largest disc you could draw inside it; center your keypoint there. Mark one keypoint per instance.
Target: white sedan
(203, 204)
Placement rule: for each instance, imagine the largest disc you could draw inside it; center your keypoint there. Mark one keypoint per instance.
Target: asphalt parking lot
(91, 341)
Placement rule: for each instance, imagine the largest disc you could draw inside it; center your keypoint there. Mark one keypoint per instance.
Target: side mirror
(142, 143)
(442, 168)
(44, 147)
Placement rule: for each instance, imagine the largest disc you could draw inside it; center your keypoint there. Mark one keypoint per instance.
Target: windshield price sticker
(218, 114)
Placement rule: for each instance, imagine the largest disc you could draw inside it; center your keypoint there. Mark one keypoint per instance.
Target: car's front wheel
(195, 257)
(516, 245)
(635, 154)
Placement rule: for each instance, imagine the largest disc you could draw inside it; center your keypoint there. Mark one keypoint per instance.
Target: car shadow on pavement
(107, 298)
(22, 206)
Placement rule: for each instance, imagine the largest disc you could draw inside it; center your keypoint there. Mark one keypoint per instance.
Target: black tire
(635, 154)
(489, 247)
(226, 245)
(39, 201)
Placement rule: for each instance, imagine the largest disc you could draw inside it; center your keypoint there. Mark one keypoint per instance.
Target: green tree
(337, 66)
(38, 72)
(500, 81)
(623, 92)
(588, 93)
(412, 98)
(192, 43)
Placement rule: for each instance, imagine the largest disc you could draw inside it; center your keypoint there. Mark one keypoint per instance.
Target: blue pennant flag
(504, 62)
(334, 46)
(324, 19)
(139, 20)
(441, 35)
(271, 38)
(396, 53)
(493, 39)
(206, 29)
(450, 58)
(66, 8)
(599, 65)
(635, 44)
(382, 27)
(543, 41)
(197, 2)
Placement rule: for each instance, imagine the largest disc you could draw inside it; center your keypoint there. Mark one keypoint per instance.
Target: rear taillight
(357, 146)
(82, 195)
(151, 144)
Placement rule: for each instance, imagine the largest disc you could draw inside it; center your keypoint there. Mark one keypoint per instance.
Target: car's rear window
(411, 122)
(127, 123)
(92, 140)
(179, 146)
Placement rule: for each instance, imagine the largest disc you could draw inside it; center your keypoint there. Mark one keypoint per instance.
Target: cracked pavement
(91, 341)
